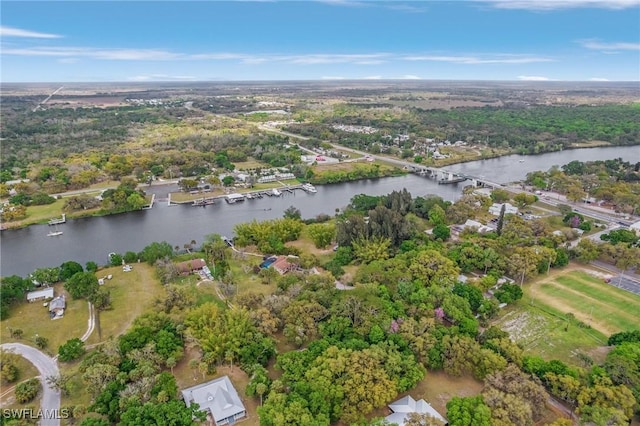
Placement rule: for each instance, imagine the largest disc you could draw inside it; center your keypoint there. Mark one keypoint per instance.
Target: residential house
(57, 307)
(508, 209)
(282, 265)
(188, 266)
(404, 406)
(44, 294)
(219, 399)
(479, 227)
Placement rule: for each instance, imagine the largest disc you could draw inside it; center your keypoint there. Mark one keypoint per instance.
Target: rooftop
(218, 396)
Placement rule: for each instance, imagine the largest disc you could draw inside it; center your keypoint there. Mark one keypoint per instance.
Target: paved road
(628, 280)
(47, 366)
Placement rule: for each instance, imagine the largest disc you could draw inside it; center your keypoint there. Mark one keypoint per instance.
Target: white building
(219, 399)
(479, 227)
(635, 227)
(44, 294)
(404, 406)
(508, 209)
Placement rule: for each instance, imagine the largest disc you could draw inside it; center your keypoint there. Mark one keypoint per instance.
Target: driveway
(46, 366)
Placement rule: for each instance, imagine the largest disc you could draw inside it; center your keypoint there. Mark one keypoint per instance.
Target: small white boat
(275, 192)
(309, 188)
(522, 161)
(54, 233)
(249, 196)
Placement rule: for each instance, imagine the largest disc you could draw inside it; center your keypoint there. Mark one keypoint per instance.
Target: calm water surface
(24, 250)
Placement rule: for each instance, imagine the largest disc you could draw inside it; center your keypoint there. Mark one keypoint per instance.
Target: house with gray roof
(404, 406)
(219, 399)
(57, 307)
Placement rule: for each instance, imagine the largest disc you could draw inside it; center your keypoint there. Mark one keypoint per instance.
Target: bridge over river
(444, 176)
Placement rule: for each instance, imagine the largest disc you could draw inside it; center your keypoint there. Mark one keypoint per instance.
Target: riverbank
(41, 215)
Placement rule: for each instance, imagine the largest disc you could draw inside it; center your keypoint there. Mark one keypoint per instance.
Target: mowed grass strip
(132, 294)
(603, 306)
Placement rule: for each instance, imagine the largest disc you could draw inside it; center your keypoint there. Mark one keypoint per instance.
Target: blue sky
(54, 41)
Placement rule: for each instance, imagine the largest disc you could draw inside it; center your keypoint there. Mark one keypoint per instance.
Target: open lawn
(269, 185)
(180, 196)
(33, 319)
(132, 294)
(250, 164)
(540, 322)
(437, 388)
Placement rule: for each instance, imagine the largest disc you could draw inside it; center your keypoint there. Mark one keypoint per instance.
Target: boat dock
(250, 195)
(59, 220)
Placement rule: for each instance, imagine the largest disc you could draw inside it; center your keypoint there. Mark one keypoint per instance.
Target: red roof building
(282, 265)
(188, 266)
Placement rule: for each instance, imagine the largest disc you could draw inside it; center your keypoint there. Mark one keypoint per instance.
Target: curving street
(47, 366)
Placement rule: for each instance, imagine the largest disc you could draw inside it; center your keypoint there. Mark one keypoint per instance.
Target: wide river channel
(24, 250)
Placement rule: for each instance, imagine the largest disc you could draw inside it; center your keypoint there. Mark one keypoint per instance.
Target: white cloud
(542, 5)
(473, 60)
(17, 32)
(161, 77)
(331, 77)
(410, 77)
(598, 79)
(533, 78)
(604, 46)
(96, 53)
(313, 59)
(372, 77)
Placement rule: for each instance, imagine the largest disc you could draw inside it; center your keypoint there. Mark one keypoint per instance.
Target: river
(23, 250)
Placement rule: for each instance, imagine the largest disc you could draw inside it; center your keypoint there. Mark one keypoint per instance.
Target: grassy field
(602, 306)
(540, 322)
(132, 294)
(250, 164)
(180, 196)
(33, 319)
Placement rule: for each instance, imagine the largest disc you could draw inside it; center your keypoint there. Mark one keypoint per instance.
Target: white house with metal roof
(404, 406)
(219, 399)
(44, 294)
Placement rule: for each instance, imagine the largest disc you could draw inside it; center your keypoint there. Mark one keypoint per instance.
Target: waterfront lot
(132, 294)
(33, 319)
(568, 313)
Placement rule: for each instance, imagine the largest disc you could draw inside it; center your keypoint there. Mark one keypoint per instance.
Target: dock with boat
(237, 197)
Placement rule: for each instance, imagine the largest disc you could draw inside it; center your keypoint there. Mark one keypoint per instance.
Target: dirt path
(91, 323)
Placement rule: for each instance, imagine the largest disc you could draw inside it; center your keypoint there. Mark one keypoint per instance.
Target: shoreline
(99, 213)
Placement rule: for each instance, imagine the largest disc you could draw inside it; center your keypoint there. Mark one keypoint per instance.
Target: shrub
(71, 350)
(27, 391)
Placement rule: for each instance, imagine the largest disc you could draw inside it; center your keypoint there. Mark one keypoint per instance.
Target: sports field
(592, 301)
(568, 313)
